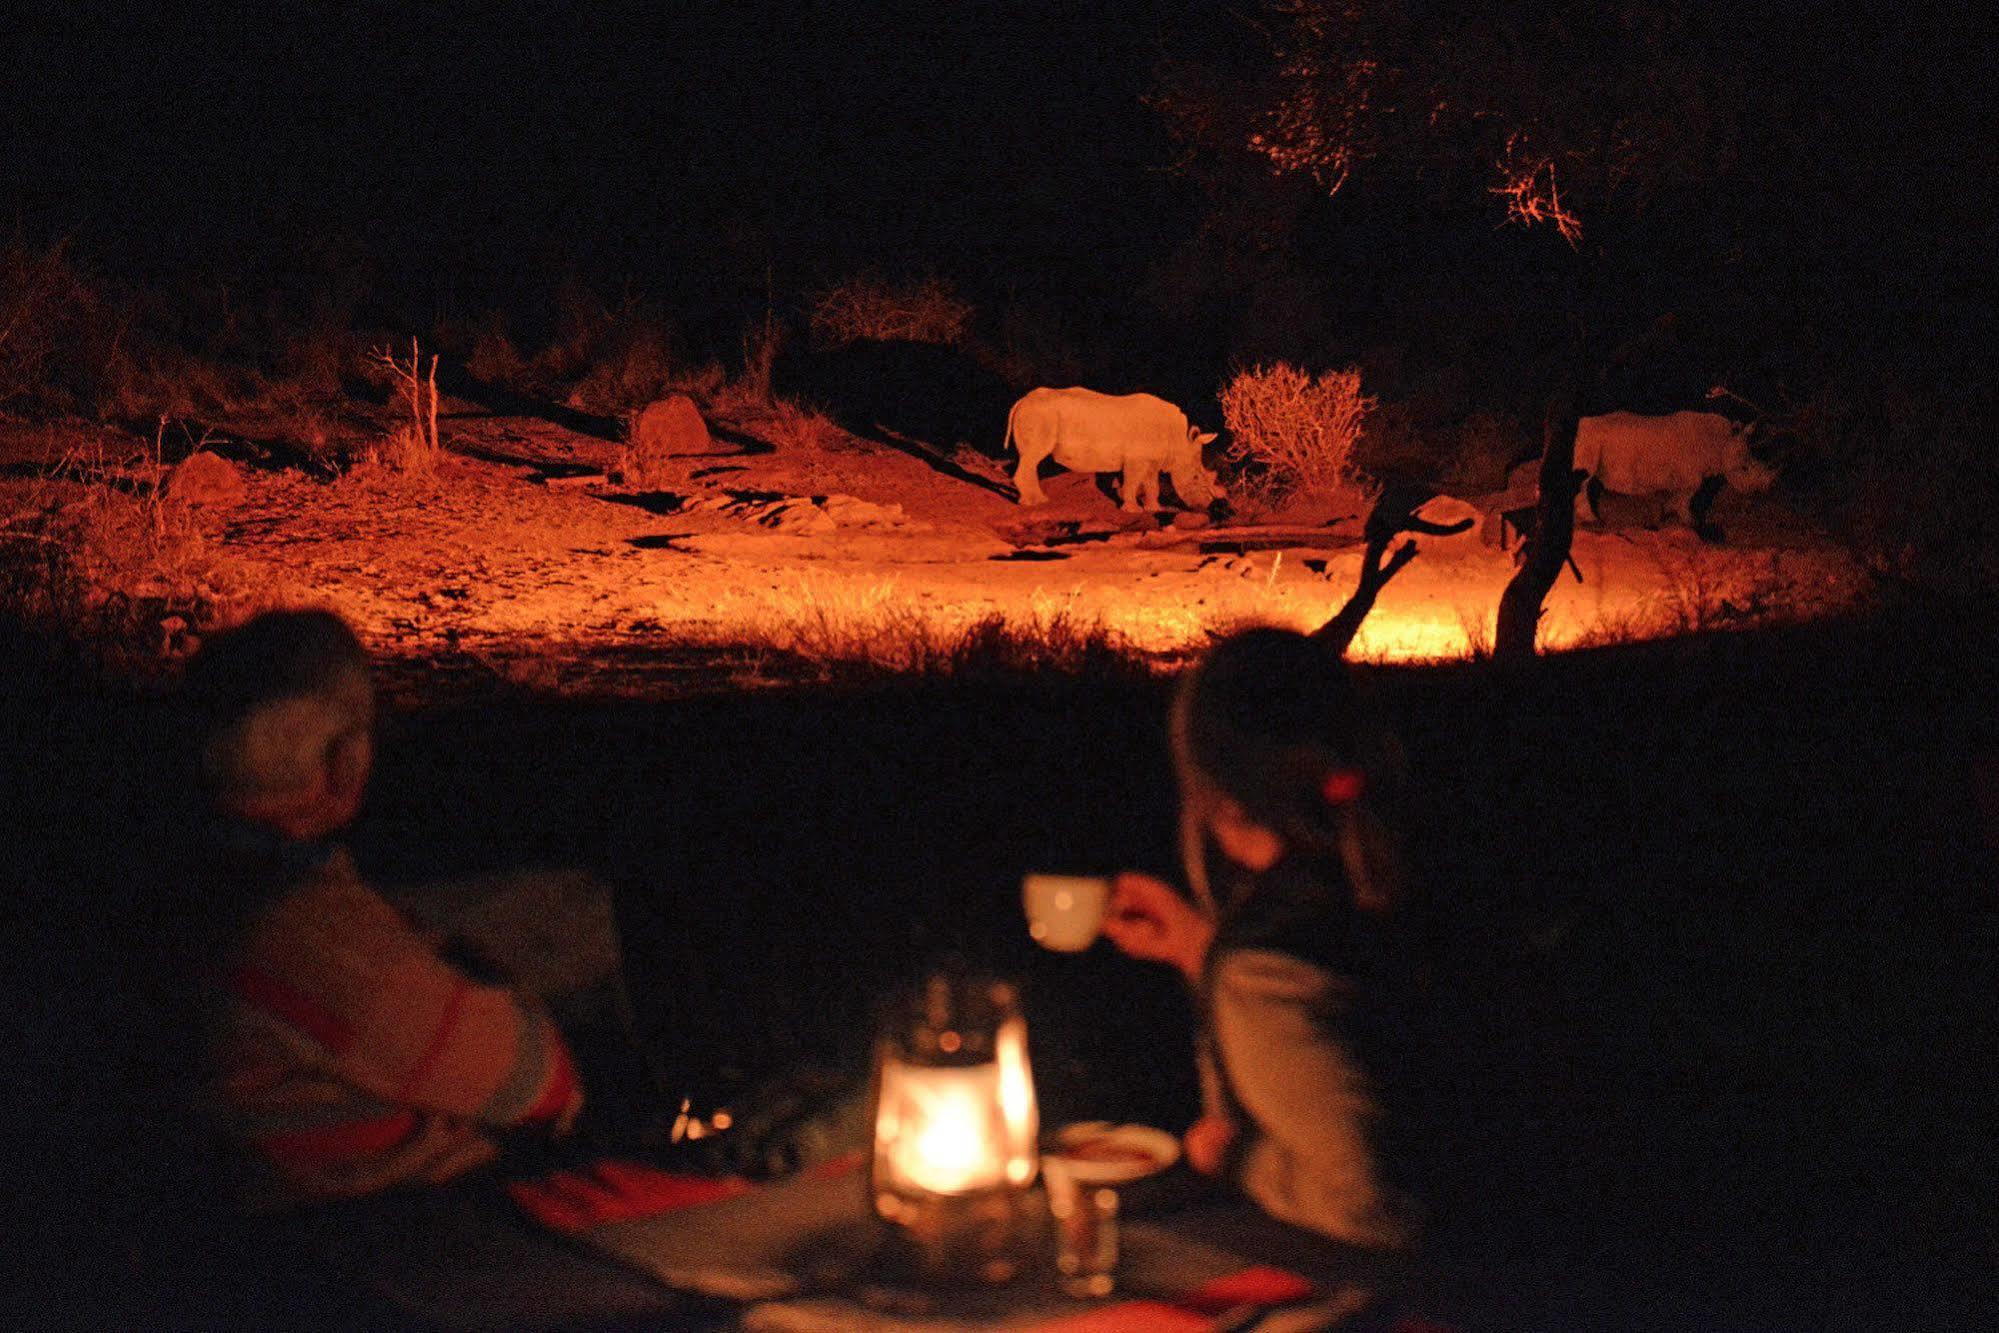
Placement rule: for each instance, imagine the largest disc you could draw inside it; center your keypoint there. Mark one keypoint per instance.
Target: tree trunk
(1554, 528)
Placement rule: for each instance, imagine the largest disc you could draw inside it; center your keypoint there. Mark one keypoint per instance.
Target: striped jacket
(353, 1058)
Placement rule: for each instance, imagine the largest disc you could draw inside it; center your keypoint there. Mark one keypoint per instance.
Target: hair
(275, 699)
(1275, 722)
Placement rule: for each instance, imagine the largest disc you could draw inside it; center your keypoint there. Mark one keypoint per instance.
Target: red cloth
(614, 1191)
(1192, 1313)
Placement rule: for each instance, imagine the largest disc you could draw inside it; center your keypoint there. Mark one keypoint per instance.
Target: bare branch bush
(413, 446)
(1531, 193)
(1293, 432)
(869, 308)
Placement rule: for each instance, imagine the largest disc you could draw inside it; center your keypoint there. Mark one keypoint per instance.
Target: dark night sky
(1001, 144)
(990, 130)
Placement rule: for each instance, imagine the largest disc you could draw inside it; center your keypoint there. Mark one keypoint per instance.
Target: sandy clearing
(810, 548)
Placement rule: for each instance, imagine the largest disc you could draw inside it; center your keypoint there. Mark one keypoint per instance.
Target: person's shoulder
(326, 890)
(1253, 974)
(1298, 907)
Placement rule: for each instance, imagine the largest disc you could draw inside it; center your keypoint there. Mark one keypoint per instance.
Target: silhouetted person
(348, 1056)
(1288, 947)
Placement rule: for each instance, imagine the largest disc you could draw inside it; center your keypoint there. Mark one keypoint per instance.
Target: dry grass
(789, 425)
(402, 452)
(101, 553)
(749, 392)
(1291, 434)
(1704, 589)
(869, 308)
(826, 630)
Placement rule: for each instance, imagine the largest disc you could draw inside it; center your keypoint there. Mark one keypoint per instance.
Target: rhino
(1086, 431)
(1686, 456)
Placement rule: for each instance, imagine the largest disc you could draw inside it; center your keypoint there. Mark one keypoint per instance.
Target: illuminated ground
(751, 563)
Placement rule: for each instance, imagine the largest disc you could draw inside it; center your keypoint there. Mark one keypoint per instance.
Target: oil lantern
(955, 1130)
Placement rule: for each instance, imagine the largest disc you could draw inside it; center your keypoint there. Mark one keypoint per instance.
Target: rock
(1447, 510)
(1189, 519)
(850, 512)
(671, 425)
(206, 479)
(796, 516)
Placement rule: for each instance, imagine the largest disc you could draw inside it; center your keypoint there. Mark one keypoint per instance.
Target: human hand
(1149, 920)
(565, 1119)
(1207, 1143)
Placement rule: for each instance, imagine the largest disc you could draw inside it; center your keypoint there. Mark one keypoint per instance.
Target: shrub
(749, 393)
(57, 331)
(633, 366)
(496, 361)
(1297, 428)
(582, 323)
(168, 381)
(866, 307)
(1904, 474)
(1295, 431)
(790, 425)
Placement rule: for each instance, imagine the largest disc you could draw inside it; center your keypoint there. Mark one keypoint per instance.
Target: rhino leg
(1141, 488)
(1027, 480)
(1587, 496)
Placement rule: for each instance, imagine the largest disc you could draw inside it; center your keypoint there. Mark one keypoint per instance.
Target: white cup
(1065, 912)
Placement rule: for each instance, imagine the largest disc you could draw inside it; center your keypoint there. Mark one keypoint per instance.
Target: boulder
(797, 515)
(206, 479)
(671, 425)
(1449, 511)
(850, 512)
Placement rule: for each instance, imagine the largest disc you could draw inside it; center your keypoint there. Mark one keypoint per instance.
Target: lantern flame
(941, 1130)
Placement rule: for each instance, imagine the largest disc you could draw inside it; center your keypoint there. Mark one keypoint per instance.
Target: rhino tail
(1006, 444)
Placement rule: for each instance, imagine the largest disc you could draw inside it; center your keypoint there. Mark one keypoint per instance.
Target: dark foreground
(1713, 926)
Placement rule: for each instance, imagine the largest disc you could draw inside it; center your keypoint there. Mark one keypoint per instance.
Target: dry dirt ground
(521, 557)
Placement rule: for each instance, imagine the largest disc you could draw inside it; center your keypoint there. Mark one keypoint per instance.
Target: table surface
(791, 1256)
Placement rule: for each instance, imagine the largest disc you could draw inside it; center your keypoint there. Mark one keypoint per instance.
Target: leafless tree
(1568, 116)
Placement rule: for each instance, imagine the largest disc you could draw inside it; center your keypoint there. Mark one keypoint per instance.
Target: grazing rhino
(1085, 431)
(1684, 455)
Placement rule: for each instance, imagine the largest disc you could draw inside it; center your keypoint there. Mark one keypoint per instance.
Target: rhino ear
(1204, 438)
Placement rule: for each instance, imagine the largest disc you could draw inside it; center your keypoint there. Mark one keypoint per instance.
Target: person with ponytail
(1288, 935)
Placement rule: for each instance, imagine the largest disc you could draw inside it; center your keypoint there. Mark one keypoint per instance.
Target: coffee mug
(1065, 912)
